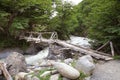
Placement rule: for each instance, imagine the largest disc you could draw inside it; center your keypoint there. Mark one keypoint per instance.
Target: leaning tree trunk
(83, 50)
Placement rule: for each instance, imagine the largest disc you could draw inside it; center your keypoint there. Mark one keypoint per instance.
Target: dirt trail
(107, 71)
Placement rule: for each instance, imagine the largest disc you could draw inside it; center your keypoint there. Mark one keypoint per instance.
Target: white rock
(85, 64)
(37, 69)
(87, 57)
(87, 78)
(20, 76)
(31, 71)
(69, 60)
(66, 70)
(54, 77)
(35, 78)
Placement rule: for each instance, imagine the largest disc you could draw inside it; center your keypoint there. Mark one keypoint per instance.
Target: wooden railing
(39, 36)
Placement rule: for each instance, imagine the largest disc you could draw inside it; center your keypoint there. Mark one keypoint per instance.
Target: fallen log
(5, 72)
(93, 53)
(83, 51)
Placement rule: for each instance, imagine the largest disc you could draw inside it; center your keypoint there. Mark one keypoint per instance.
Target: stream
(78, 41)
(33, 59)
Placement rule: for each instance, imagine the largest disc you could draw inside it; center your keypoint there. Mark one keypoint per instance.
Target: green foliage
(101, 20)
(117, 57)
(64, 20)
(23, 15)
(60, 78)
(73, 63)
(41, 72)
(82, 76)
(6, 42)
(96, 19)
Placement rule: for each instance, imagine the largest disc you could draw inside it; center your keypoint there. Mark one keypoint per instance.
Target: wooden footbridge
(37, 37)
(52, 37)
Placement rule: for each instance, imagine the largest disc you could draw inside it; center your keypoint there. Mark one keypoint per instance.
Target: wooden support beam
(103, 46)
(112, 49)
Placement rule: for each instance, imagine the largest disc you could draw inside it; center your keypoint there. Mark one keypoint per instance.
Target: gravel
(107, 71)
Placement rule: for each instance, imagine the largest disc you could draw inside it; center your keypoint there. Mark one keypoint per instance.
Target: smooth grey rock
(85, 64)
(88, 57)
(69, 60)
(33, 49)
(66, 70)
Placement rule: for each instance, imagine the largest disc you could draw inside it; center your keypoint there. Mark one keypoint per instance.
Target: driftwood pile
(38, 38)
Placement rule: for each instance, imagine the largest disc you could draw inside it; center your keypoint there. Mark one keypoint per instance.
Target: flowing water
(33, 59)
(79, 41)
(36, 58)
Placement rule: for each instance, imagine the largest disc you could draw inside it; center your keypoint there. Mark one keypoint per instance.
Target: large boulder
(85, 64)
(66, 70)
(58, 52)
(6, 52)
(53, 51)
(16, 63)
(33, 49)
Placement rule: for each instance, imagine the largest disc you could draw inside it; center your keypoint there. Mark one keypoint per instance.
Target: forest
(27, 54)
(98, 20)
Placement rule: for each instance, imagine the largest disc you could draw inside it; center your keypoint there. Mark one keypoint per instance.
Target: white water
(36, 58)
(79, 41)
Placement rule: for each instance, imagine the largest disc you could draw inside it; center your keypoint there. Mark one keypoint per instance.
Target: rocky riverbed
(68, 69)
(78, 67)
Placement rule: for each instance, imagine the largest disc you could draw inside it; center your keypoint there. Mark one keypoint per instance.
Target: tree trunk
(93, 53)
(11, 19)
(83, 51)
